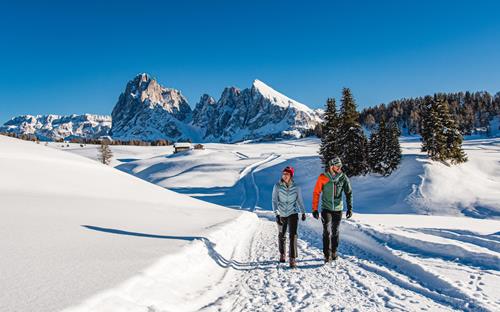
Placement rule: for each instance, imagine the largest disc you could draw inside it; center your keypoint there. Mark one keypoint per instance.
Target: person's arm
(318, 188)
(348, 193)
(275, 200)
(300, 201)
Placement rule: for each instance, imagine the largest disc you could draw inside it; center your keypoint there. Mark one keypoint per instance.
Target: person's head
(287, 174)
(335, 165)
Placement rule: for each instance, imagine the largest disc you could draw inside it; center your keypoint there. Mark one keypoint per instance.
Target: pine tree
(441, 138)
(393, 158)
(105, 153)
(352, 140)
(433, 138)
(377, 147)
(454, 151)
(329, 147)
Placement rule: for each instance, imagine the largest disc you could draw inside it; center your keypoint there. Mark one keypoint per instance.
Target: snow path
(343, 285)
(250, 187)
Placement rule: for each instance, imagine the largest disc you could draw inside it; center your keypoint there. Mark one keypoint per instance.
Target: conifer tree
(393, 157)
(377, 147)
(352, 140)
(441, 138)
(454, 151)
(105, 153)
(329, 147)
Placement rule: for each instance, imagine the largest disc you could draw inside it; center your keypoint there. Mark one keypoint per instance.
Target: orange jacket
(332, 188)
(318, 188)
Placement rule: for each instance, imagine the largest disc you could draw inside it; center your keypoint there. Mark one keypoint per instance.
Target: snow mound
(68, 220)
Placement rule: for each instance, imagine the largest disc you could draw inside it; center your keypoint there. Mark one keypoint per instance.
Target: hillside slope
(72, 227)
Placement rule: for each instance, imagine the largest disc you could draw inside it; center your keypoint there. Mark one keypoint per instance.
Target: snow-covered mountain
(148, 111)
(252, 113)
(53, 127)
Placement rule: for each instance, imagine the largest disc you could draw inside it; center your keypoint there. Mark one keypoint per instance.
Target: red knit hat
(290, 170)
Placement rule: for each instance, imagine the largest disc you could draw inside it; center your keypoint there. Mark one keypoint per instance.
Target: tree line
(342, 135)
(472, 111)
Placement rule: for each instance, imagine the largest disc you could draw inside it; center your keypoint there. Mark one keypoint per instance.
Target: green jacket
(330, 188)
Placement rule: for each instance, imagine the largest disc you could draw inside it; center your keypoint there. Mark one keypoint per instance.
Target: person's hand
(348, 214)
(316, 214)
(278, 220)
(303, 217)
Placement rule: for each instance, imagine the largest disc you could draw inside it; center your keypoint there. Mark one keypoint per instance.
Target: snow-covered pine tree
(352, 139)
(377, 147)
(393, 158)
(433, 138)
(441, 138)
(105, 153)
(329, 147)
(454, 151)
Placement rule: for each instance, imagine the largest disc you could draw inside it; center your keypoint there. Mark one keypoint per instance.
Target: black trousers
(291, 223)
(331, 226)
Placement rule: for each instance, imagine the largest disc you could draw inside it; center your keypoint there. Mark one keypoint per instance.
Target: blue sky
(76, 56)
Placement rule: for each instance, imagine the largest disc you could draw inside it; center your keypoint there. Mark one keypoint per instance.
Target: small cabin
(182, 146)
(199, 147)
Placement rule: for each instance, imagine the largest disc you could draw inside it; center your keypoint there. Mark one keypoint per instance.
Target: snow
(279, 98)
(72, 227)
(425, 238)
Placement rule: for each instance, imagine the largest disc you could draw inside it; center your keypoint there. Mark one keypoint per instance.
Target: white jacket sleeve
(275, 200)
(300, 201)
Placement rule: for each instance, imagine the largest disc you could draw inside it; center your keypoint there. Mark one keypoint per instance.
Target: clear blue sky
(76, 56)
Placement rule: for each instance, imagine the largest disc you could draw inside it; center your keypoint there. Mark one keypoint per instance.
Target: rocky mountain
(252, 113)
(54, 127)
(148, 111)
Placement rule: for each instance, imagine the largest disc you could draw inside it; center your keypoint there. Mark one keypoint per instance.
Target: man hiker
(332, 183)
(287, 204)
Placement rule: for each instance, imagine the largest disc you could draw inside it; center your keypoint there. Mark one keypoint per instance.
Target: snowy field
(85, 237)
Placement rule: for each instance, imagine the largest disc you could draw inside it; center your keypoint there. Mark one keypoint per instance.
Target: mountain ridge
(147, 110)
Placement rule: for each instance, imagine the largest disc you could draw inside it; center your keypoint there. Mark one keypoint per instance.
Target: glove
(278, 220)
(348, 214)
(316, 214)
(303, 217)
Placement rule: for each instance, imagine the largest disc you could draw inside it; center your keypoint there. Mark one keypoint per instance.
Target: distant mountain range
(149, 111)
(54, 127)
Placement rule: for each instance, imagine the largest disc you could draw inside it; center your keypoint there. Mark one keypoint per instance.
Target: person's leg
(292, 229)
(326, 219)
(336, 217)
(282, 237)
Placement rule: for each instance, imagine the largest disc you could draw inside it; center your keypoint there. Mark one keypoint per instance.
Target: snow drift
(72, 227)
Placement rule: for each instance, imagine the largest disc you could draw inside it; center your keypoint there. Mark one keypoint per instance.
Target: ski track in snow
(344, 285)
(250, 187)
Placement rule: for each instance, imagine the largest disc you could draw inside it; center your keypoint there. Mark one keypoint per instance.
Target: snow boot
(293, 264)
(328, 260)
(282, 258)
(334, 256)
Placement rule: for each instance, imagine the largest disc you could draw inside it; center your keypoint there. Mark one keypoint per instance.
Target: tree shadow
(212, 252)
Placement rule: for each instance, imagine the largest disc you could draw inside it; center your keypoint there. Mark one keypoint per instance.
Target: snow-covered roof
(182, 144)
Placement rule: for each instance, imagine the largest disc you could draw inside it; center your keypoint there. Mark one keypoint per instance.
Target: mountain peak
(143, 76)
(277, 97)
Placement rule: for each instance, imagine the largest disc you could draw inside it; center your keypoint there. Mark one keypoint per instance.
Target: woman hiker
(287, 204)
